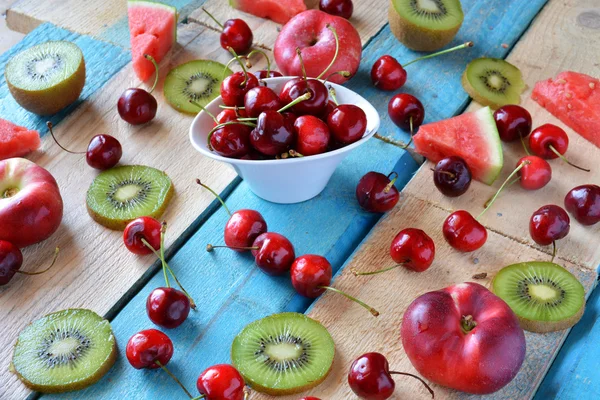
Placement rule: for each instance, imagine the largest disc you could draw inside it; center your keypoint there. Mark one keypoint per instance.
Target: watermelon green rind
(495, 153)
(166, 7)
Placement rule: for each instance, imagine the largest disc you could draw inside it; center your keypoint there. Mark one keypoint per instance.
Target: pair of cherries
(11, 261)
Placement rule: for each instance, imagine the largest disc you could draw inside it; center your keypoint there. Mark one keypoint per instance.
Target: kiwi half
(198, 80)
(63, 351)
(283, 354)
(425, 25)
(545, 296)
(46, 78)
(119, 195)
(493, 82)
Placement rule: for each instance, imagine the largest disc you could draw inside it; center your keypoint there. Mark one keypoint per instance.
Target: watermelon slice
(16, 141)
(472, 136)
(573, 98)
(153, 30)
(280, 11)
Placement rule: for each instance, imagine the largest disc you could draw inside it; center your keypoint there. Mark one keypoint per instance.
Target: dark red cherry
(137, 106)
(310, 273)
(548, 224)
(376, 192)
(237, 35)
(414, 249)
(243, 227)
(452, 176)
(259, 99)
(369, 377)
(312, 135)
(146, 228)
(583, 202)
(232, 141)
(388, 74)
(11, 260)
(463, 232)
(235, 87)
(273, 135)
(229, 114)
(221, 382)
(328, 110)
(339, 8)
(104, 152)
(513, 122)
(263, 74)
(167, 307)
(348, 123)
(535, 174)
(405, 107)
(273, 253)
(297, 87)
(149, 349)
(548, 137)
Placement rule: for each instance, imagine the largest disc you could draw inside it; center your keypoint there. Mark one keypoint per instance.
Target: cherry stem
(562, 157)
(373, 311)
(205, 110)
(50, 126)
(391, 141)
(299, 52)
(236, 57)
(379, 271)
(305, 96)
(553, 250)
(450, 174)
(44, 270)
(293, 153)
(216, 128)
(153, 61)
(164, 368)
(210, 248)
(337, 50)
(333, 96)
(389, 185)
(159, 257)
(410, 121)
(493, 199)
(517, 179)
(439, 53)
(524, 145)
(213, 18)
(345, 74)
(231, 107)
(256, 51)
(418, 378)
(216, 195)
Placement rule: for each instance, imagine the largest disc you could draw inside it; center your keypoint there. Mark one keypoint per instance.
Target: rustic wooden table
(95, 270)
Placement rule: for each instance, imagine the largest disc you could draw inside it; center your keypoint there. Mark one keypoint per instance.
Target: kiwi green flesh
(493, 82)
(543, 295)
(283, 354)
(431, 14)
(198, 80)
(63, 351)
(122, 194)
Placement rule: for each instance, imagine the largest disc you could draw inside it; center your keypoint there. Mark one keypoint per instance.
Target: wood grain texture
(8, 38)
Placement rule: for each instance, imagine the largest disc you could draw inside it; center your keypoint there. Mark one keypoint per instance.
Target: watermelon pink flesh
(16, 141)
(280, 11)
(573, 98)
(153, 30)
(472, 136)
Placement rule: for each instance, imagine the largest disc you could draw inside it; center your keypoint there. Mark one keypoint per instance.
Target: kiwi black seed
(545, 296)
(119, 195)
(198, 80)
(63, 351)
(425, 25)
(46, 78)
(283, 354)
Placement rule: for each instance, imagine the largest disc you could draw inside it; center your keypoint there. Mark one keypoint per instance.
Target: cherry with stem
(136, 105)
(262, 74)
(11, 260)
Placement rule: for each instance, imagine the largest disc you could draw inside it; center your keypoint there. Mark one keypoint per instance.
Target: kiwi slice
(493, 82)
(63, 351)
(425, 25)
(545, 296)
(283, 354)
(198, 80)
(46, 78)
(119, 195)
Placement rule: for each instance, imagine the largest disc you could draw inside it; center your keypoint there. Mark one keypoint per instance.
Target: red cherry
(146, 228)
(310, 398)
(221, 382)
(229, 115)
(11, 260)
(243, 227)
(312, 135)
(167, 307)
(388, 74)
(235, 34)
(259, 99)
(452, 176)
(263, 74)
(235, 87)
(231, 141)
(315, 105)
(548, 224)
(404, 108)
(535, 173)
(273, 253)
(348, 123)
(584, 203)
(137, 106)
(375, 192)
(513, 122)
(149, 349)
(546, 138)
(339, 8)
(414, 249)
(328, 110)
(273, 135)
(463, 232)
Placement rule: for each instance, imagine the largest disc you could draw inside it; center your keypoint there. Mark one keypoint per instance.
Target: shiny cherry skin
(414, 249)
(348, 123)
(243, 227)
(402, 107)
(388, 74)
(328, 110)
(297, 87)
(273, 253)
(463, 232)
(536, 174)
(235, 87)
(259, 99)
(369, 377)
(375, 194)
(274, 133)
(309, 272)
(221, 382)
(263, 74)
(512, 121)
(548, 224)
(545, 136)
(104, 152)
(231, 141)
(452, 176)
(583, 202)
(312, 135)
(146, 228)
(237, 35)
(136, 106)
(167, 307)
(339, 8)
(11, 260)
(228, 115)
(147, 347)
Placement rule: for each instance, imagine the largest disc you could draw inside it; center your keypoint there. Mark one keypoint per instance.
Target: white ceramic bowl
(292, 180)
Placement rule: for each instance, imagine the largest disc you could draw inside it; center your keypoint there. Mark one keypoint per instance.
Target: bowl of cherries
(284, 136)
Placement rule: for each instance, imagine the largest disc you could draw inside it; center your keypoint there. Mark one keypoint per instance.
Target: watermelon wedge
(280, 11)
(472, 136)
(153, 31)
(573, 98)
(16, 141)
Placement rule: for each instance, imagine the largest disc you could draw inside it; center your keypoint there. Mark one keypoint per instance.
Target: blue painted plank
(102, 62)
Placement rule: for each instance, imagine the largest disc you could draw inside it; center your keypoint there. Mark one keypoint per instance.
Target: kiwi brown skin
(550, 326)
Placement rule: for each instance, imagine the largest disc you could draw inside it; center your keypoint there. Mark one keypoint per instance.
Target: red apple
(464, 337)
(30, 204)
(308, 31)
